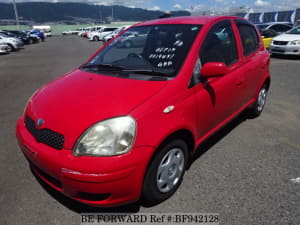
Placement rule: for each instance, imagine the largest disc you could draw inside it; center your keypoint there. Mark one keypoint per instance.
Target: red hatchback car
(123, 126)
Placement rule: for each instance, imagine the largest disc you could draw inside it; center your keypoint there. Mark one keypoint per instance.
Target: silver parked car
(13, 43)
(287, 43)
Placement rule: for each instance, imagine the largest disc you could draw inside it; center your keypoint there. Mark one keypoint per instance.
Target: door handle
(239, 82)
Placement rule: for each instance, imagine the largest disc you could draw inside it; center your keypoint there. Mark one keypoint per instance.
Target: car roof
(187, 20)
(272, 23)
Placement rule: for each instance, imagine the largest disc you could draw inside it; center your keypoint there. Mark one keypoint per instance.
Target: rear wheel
(165, 172)
(259, 105)
(128, 44)
(96, 38)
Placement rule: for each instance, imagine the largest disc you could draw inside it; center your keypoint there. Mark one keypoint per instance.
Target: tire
(165, 172)
(260, 102)
(96, 38)
(10, 48)
(128, 44)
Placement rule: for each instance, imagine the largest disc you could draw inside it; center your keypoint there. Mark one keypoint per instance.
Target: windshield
(294, 31)
(3, 35)
(157, 50)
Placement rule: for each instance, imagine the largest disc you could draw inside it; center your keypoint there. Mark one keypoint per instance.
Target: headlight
(107, 138)
(297, 42)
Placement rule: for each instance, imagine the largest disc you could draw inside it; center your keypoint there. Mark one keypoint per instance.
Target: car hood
(287, 37)
(74, 102)
(12, 39)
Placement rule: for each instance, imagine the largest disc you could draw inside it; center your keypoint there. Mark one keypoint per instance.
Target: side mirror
(213, 69)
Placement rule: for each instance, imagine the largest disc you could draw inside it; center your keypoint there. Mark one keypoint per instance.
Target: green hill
(40, 12)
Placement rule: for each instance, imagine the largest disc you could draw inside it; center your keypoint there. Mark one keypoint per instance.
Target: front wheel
(165, 172)
(10, 48)
(259, 105)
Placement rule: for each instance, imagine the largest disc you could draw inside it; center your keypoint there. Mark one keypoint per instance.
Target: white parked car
(91, 30)
(287, 43)
(13, 43)
(98, 35)
(110, 36)
(81, 31)
(4, 48)
(67, 32)
(46, 29)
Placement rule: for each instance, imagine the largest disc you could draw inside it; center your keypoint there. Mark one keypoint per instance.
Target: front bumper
(284, 49)
(97, 181)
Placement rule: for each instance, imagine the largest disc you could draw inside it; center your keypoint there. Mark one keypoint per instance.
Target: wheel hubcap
(170, 170)
(261, 99)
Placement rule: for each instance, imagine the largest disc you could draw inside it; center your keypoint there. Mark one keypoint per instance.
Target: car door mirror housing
(213, 69)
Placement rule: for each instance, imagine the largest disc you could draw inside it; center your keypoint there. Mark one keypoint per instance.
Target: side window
(219, 45)
(249, 38)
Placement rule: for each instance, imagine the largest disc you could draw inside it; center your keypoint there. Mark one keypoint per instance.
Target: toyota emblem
(39, 122)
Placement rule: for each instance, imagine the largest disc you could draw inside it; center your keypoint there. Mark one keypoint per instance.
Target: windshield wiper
(103, 66)
(111, 67)
(148, 72)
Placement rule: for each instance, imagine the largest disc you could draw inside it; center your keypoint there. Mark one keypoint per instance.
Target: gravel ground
(244, 173)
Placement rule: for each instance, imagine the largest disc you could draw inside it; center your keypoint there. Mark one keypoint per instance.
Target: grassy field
(57, 29)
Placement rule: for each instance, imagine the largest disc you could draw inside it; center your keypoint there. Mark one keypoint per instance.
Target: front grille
(278, 50)
(46, 136)
(92, 196)
(280, 42)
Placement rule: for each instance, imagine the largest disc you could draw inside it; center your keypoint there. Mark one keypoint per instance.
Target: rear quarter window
(249, 37)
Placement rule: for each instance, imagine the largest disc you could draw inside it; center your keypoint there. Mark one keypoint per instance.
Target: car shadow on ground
(216, 137)
(294, 57)
(135, 207)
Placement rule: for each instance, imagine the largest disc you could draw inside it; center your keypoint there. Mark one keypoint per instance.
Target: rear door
(255, 58)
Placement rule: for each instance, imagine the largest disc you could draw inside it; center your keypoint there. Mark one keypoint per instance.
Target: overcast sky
(168, 5)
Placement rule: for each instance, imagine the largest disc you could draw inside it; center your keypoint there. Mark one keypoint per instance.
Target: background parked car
(21, 35)
(91, 30)
(67, 32)
(108, 37)
(46, 29)
(267, 36)
(12, 42)
(99, 35)
(39, 34)
(277, 26)
(34, 38)
(287, 43)
(134, 39)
